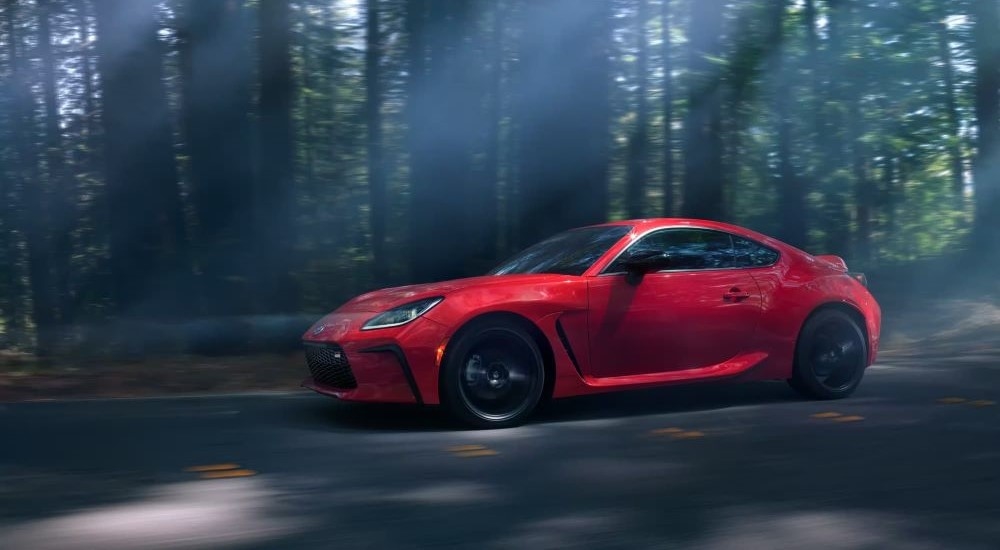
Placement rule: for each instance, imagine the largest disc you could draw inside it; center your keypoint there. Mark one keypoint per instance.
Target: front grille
(328, 365)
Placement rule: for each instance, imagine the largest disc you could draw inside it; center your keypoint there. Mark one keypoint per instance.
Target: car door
(699, 312)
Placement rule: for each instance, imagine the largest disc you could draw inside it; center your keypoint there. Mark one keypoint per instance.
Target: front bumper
(378, 373)
(393, 365)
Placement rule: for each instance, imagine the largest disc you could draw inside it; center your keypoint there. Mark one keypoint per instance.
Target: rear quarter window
(753, 254)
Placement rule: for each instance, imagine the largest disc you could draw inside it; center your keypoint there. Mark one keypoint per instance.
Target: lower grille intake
(329, 366)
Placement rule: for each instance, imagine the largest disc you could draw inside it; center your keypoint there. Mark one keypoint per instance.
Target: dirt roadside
(23, 380)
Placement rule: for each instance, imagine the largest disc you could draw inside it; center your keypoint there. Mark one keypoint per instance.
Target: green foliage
(869, 112)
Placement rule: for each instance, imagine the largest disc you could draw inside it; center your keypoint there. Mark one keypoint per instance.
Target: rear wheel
(494, 376)
(830, 357)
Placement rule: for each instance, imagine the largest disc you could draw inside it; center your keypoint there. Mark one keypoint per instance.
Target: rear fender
(836, 262)
(833, 261)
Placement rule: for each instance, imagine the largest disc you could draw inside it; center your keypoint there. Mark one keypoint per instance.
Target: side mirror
(639, 263)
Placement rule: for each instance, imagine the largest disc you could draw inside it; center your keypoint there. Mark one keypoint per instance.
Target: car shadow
(325, 413)
(665, 400)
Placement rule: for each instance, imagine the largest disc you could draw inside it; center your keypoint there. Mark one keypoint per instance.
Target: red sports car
(616, 306)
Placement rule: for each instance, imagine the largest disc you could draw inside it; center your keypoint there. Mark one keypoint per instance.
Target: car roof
(642, 225)
(653, 223)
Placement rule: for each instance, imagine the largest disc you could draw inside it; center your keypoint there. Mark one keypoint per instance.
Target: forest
(199, 163)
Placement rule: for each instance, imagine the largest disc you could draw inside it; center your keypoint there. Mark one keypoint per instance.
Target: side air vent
(567, 347)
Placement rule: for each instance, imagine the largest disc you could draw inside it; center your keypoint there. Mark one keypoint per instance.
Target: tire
(830, 357)
(494, 376)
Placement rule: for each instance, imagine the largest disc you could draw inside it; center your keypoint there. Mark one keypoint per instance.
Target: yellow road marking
(662, 431)
(464, 448)
(848, 419)
(678, 433)
(478, 453)
(951, 400)
(830, 414)
(212, 468)
(472, 451)
(982, 403)
(228, 473)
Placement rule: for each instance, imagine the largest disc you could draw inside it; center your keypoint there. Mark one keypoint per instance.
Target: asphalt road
(727, 466)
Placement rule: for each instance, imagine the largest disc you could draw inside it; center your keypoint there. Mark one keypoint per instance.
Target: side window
(751, 254)
(688, 249)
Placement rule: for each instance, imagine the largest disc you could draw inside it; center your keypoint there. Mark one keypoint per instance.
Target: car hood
(388, 298)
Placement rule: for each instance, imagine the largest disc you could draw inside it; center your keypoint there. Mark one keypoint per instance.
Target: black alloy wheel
(494, 376)
(831, 356)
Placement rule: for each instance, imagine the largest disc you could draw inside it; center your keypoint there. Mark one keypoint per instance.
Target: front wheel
(494, 376)
(830, 357)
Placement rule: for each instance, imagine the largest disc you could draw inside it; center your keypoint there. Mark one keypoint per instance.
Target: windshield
(569, 253)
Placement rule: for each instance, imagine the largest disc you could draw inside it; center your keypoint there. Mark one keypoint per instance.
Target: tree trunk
(435, 194)
(514, 167)
(416, 110)
(87, 73)
(814, 63)
(856, 73)
(11, 222)
(275, 184)
(703, 183)
(63, 215)
(892, 198)
(144, 204)
(986, 168)
(951, 106)
(638, 156)
(444, 193)
(328, 221)
(308, 119)
(216, 77)
(36, 225)
(791, 199)
(668, 111)
(832, 142)
(491, 162)
(564, 115)
(376, 163)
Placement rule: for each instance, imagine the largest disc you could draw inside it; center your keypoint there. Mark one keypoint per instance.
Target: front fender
(540, 305)
(533, 302)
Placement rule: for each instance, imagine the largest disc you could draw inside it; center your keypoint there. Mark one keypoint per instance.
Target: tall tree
(274, 219)
(217, 74)
(564, 116)
(856, 71)
(831, 138)
(668, 109)
(10, 179)
(703, 172)
(420, 180)
(373, 115)
(813, 62)
(86, 158)
(951, 109)
(986, 49)
(8, 276)
(36, 216)
(142, 185)
(491, 161)
(638, 143)
(791, 197)
(444, 128)
(63, 215)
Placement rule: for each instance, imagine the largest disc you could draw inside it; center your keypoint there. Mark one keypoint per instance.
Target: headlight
(402, 314)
